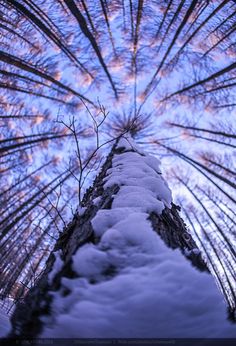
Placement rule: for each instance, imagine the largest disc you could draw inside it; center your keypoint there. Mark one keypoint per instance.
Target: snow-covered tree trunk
(113, 238)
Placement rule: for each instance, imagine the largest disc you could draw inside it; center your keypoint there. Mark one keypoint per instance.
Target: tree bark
(26, 320)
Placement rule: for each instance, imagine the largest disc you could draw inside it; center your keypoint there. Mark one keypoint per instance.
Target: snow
(127, 143)
(135, 231)
(146, 202)
(5, 325)
(133, 169)
(107, 218)
(80, 210)
(154, 295)
(188, 252)
(57, 265)
(130, 284)
(90, 261)
(96, 200)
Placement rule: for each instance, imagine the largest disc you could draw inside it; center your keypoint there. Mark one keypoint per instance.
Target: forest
(117, 169)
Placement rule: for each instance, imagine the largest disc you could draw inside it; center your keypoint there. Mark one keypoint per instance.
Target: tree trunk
(85, 228)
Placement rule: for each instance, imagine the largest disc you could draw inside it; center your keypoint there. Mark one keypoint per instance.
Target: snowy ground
(5, 325)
